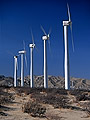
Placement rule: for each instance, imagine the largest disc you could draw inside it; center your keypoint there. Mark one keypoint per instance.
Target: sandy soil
(14, 111)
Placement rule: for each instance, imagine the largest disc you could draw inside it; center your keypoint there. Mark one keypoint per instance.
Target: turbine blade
(42, 62)
(49, 40)
(50, 31)
(32, 37)
(68, 12)
(10, 53)
(72, 37)
(24, 44)
(17, 64)
(25, 60)
(36, 49)
(18, 55)
(43, 30)
(49, 46)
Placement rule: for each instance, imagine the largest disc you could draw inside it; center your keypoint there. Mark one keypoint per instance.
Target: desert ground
(44, 104)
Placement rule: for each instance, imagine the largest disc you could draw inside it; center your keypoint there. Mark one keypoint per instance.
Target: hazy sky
(17, 17)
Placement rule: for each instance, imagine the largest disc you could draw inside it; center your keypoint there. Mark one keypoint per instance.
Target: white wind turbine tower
(67, 71)
(22, 53)
(15, 70)
(45, 38)
(32, 46)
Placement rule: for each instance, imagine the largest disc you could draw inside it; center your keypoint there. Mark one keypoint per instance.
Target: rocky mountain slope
(53, 82)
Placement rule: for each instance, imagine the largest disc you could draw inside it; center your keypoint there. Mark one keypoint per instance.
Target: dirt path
(14, 111)
(65, 114)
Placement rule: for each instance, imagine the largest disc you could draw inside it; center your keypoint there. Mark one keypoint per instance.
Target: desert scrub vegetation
(34, 109)
(28, 90)
(86, 107)
(56, 97)
(80, 95)
(58, 101)
(5, 97)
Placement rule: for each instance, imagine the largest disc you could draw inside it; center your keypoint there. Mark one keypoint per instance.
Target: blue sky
(17, 17)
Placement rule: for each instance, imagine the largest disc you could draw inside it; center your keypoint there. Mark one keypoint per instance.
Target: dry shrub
(26, 90)
(75, 92)
(87, 108)
(19, 91)
(34, 109)
(82, 97)
(2, 113)
(56, 91)
(6, 98)
(58, 101)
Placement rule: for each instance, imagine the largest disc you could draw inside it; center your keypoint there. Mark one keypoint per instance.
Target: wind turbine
(32, 46)
(67, 69)
(22, 53)
(45, 38)
(15, 70)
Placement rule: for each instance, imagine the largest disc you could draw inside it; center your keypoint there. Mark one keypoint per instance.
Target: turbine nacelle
(67, 23)
(32, 45)
(15, 56)
(22, 52)
(45, 37)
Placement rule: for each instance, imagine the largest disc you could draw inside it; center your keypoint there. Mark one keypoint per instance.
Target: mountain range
(53, 82)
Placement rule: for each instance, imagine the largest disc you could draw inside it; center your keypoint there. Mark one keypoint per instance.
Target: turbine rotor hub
(46, 37)
(32, 45)
(66, 23)
(22, 52)
(15, 56)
